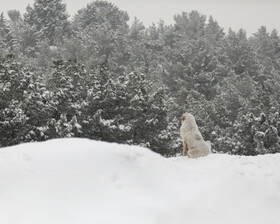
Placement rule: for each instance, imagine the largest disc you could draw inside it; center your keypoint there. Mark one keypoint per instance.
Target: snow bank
(82, 181)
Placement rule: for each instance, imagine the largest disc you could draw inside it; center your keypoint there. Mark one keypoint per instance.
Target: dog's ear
(183, 117)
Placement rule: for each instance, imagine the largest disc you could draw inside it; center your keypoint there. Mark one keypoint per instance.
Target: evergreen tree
(98, 13)
(7, 38)
(66, 83)
(143, 112)
(242, 58)
(213, 32)
(100, 29)
(190, 25)
(48, 18)
(15, 79)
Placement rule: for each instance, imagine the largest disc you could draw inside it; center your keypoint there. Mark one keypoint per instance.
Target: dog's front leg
(184, 148)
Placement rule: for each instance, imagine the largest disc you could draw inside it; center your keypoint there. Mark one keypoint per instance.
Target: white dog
(192, 138)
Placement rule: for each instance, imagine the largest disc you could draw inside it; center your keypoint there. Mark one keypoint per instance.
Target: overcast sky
(246, 14)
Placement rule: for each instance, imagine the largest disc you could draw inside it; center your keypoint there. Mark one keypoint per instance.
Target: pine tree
(8, 43)
(67, 83)
(240, 54)
(143, 112)
(98, 13)
(190, 25)
(213, 32)
(100, 29)
(244, 132)
(99, 111)
(272, 140)
(63, 128)
(15, 79)
(48, 18)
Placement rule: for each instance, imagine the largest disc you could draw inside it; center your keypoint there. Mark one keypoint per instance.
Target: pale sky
(246, 14)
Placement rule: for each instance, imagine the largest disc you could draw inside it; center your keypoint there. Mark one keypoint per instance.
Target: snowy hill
(81, 181)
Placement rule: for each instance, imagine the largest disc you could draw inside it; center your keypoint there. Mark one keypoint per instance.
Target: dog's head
(188, 121)
(185, 116)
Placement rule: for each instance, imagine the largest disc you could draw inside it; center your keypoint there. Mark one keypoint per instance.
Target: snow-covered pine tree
(8, 43)
(190, 25)
(101, 110)
(67, 82)
(240, 54)
(15, 80)
(100, 30)
(64, 99)
(63, 127)
(272, 140)
(98, 13)
(243, 135)
(267, 46)
(49, 18)
(143, 112)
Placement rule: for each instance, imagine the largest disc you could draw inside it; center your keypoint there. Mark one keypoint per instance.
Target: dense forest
(99, 76)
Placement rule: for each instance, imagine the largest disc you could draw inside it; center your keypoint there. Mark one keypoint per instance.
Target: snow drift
(82, 181)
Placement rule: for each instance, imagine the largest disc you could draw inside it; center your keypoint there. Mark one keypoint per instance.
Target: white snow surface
(70, 181)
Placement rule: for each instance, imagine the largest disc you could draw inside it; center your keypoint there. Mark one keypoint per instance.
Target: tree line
(99, 77)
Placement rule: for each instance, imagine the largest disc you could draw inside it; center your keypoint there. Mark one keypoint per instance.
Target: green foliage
(48, 18)
(99, 30)
(98, 13)
(100, 78)
(8, 42)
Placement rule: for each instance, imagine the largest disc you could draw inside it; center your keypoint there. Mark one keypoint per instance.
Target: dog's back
(199, 148)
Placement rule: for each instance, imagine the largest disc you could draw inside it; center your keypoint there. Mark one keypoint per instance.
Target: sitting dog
(192, 138)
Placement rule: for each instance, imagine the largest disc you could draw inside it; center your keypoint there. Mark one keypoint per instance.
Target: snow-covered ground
(72, 181)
